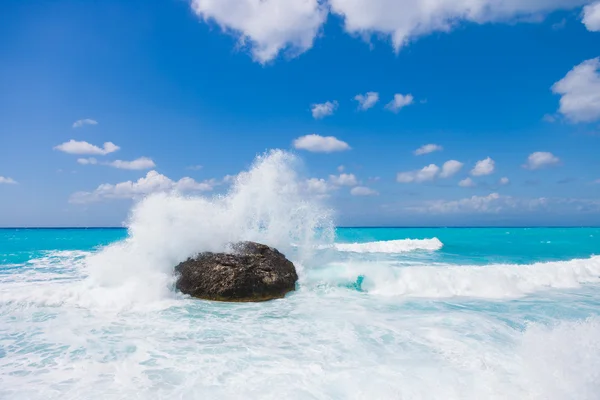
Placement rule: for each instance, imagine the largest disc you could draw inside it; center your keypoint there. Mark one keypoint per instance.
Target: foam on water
(269, 204)
(495, 281)
(390, 246)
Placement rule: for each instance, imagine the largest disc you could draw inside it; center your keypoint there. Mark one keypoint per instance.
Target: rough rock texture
(254, 272)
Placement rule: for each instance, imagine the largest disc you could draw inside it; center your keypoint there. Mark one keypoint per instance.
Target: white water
(391, 246)
(108, 325)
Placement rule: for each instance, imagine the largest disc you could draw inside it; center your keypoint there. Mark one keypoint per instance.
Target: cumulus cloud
(405, 20)
(427, 173)
(82, 122)
(400, 101)
(7, 181)
(591, 17)
(491, 203)
(87, 161)
(153, 182)
(324, 109)
(580, 92)
(363, 191)
(496, 203)
(428, 148)
(76, 147)
(367, 100)
(267, 27)
(137, 164)
(504, 181)
(317, 186)
(541, 159)
(467, 182)
(450, 168)
(430, 172)
(484, 167)
(343, 180)
(320, 144)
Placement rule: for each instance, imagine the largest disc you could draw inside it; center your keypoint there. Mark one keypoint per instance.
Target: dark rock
(252, 272)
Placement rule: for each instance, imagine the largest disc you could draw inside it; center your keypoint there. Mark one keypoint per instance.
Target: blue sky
(177, 83)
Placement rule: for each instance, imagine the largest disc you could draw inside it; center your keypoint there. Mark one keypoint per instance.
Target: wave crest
(391, 246)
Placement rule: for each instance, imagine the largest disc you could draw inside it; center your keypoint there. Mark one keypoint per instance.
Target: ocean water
(394, 313)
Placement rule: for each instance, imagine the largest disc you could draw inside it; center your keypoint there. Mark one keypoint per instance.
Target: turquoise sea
(379, 313)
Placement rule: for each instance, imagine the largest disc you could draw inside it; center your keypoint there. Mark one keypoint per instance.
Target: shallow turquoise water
(498, 313)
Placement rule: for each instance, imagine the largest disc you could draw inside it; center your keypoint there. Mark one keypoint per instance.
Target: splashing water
(268, 204)
(378, 314)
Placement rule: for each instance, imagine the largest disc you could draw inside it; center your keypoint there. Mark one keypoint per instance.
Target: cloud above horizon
(269, 27)
(320, 144)
(428, 148)
(484, 167)
(153, 182)
(323, 110)
(87, 121)
(399, 102)
(137, 164)
(580, 92)
(367, 100)
(430, 172)
(591, 17)
(541, 159)
(81, 147)
(7, 181)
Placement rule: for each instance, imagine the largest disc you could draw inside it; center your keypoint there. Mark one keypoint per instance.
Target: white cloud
(195, 167)
(7, 181)
(320, 144)
(87, 161)
(491, 203)
(317, 186)
(82, 122)
(344, 180)
(428, 148)
(137, 164)
(496, 203)
(341, 168)
(504, 181)
(363, 191)
(580, 92)
(76, 147)
(427, 173)
(467, 182)
(430, 172)
(405, 20)
(367, 100)
(483, 167)
(450, 168)
(591, 17)
(399, 102)
(324, 109)
(267, 27)
(153, 182)
(541, 159)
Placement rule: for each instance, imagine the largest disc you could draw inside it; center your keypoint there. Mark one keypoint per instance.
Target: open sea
(502, 313)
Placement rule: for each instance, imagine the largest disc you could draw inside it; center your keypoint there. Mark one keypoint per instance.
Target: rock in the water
(253, 272)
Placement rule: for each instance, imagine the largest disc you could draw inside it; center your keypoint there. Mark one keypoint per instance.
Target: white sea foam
(269, 203)
(390, 246)
(495, 281)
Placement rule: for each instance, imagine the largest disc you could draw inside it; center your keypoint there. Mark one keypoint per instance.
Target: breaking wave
(390, 246)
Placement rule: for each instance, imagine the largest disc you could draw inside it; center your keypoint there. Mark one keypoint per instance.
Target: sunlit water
(377, 314)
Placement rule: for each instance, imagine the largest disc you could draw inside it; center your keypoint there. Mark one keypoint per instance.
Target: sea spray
(270, 203)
